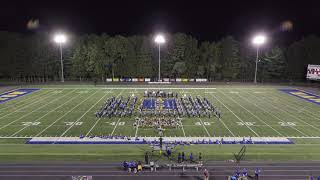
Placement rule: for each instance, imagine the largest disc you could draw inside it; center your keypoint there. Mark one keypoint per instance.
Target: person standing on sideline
(256, 173)
(146, 158)
(200, 158)
(191, 157)
(206, 174)
(179, 158)
(183, 157)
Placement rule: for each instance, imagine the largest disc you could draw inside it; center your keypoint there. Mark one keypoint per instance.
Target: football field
(69, 111)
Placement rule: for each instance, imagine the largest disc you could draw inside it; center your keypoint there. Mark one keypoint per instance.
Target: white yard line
(220, 120)
(183, 130)
(230, 97)
(276, 116)
(27, 113)
(136, 134)
(137, 127)
(97, 121)
(235, 115)
(48, 111)
(115, 126)
(83, 114)
(64, 114)
(204, 127)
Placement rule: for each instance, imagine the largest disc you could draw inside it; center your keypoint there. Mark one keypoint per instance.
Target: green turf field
(246, 111)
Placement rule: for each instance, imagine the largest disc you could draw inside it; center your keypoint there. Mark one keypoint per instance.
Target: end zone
(4, 97)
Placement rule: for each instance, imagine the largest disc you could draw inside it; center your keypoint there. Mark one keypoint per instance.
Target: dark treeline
(36, 58)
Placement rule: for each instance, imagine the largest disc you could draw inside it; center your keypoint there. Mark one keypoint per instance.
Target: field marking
(18, 107)
(115, 126)
(97, 121)
(182, 128)
(64, 114)
(35, 96)
(220, 120)
(276, 116)
(137, 127)
(294, 116)
(204, 127)
(47, 112)
(298, 102)
(84, 114)
(235, 115)
(27, 113)
(252, 113)
(184, 133)
(300, 109)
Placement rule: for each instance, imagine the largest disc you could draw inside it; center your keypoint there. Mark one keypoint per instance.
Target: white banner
(201, 80)
(313, 72)
(109, 79)
(147, 79)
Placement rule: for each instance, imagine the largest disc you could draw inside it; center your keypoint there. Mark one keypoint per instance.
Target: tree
(273, 65)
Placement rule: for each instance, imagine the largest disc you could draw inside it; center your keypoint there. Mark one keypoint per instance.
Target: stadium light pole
(60, 39)
(159, 39)
(258, 40)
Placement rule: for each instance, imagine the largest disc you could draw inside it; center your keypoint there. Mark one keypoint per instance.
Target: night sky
(206, 20)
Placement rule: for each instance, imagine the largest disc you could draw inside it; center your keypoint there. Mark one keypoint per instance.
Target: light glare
(259, 39)
(60, 38)
(159, 39)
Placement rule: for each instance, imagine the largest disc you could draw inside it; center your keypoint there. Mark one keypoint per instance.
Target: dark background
(206, 20)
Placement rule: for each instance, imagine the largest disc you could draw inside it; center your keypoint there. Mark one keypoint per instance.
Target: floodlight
(159, 39)
(259, 39)
(60, 38)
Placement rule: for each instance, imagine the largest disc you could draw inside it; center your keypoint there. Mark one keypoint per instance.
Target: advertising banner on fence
(313, 72)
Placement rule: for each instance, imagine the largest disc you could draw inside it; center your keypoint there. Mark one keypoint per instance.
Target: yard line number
(30, 123)
(246, 123)
(287, 123)
(73, 123)
(115, 123)
(204, 123)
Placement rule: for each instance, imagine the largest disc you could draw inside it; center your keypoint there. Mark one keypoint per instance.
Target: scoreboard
(313, 72)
